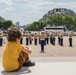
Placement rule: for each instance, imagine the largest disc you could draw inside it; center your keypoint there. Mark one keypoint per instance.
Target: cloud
(5, 10)
(6, 2)
(27, 11)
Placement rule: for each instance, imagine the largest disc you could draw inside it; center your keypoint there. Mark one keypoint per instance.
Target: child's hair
(13, 34)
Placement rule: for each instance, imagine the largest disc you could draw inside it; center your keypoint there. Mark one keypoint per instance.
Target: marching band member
(50, 35)
(70, 38)
(42, 41)
(61, 38)
(1, 38)
(30, 38)
(53, 38)
(46, 38)
(35, 38)
(27, 38)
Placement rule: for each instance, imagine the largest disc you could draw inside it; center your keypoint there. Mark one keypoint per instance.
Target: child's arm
(27, 50)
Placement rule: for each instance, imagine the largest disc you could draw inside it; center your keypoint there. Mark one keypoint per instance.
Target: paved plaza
(48, 66)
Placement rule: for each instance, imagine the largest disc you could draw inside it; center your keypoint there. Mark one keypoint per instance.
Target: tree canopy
(6, 24)
(57, 20)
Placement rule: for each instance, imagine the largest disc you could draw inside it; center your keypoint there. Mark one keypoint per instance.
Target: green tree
(52, 20)
(75, 22)
(1, 24)
(72, 27)
(7, 24)
(68, 21)
(59, 19)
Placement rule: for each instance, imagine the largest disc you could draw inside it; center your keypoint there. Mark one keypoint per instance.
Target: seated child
(15, 55)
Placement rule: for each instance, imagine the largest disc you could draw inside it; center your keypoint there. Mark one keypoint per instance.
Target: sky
(28, 11)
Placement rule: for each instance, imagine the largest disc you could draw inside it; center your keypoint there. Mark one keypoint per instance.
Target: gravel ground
(50, 50)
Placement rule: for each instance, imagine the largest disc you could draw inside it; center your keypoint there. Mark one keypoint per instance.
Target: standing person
(1, 38)
(50, 35)
(53, 38)
(42, 41)
(27, 38)
(46, 38)
(61, 38)
(35, 38)
(21, 40)
(30, 38)
(39, 38)
(15, 55)
(70, 38)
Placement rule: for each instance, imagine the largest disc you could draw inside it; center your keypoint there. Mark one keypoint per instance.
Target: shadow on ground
(22, 71)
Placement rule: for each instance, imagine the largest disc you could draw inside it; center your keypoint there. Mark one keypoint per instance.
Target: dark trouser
(35, 41)
(53, 41)
(50, 40)
(23, 58)
(46, 40)
(42, 42)
(30, 41)
(61, 41)
(27, 39)
(70, 41)
(21, 40)
(1, 41)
